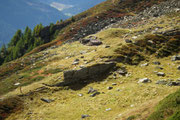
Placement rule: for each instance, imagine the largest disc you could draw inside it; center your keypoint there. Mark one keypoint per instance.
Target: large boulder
(91, 41)
(90, 72)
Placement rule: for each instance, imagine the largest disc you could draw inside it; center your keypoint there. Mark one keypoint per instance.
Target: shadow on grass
(82, 83)
(9, 106)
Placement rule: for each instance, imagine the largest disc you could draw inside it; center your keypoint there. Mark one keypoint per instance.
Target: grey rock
(109, 88)
(84, 116)
(145, 64)
(91, 41)
(158, 67)
(162, 82)
(80, 95)
(144, 80)
(161, 74)
(76, 60)
(128, 41)
(108, 109)
(114, 84)
(178, 67)
(95, 43)
(122, 71)
(175, 58)
(178, 79)
(82, 66)
(107, 46)
(173, 83)
(91, 90)
(94, 94)
(156, 63)
(75, 63)
(47, 100)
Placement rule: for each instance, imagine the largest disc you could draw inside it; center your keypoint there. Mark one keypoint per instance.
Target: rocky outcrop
(91, 72)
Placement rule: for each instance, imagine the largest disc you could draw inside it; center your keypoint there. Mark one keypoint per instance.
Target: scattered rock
(122, 71)
(145, 64)
(119, 90)
(114, 84)
(144, 80)
(158, 67)
(16, 84)
(108, 109)
(107, 46)
(84, 116)
(131, 105)
(94, 94)
(178, 79)
(128, 41)
(47, 100)
(91, 90)
(91, 41)
(82, 66)
(173, 83)
(109, 88)
(80, 95)
(94, 43)
(161, 82)
(76, 62)
(175, 58)
(156, 63)
(134, 37)
(161, 74)
(178, 67)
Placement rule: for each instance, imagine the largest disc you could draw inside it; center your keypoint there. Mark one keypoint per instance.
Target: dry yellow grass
(132, 99)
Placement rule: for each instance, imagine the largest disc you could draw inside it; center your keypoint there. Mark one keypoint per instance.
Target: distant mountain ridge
(73, 7)
(17, 15)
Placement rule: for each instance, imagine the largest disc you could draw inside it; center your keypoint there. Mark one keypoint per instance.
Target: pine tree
(37, 30)
(15, 38)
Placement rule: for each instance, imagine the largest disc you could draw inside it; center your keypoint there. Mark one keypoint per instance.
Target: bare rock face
(90, 72)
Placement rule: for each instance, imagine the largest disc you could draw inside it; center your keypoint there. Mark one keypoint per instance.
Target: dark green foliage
(73, 19)
(168, 108)
(22, 43)
(175, 116)
(131, 117)
(37, 30)
(53, 71)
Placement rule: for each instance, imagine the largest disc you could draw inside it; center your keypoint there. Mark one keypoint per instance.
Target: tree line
(22, 43)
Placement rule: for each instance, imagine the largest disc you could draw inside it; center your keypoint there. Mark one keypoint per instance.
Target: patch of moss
(168, 108)
(131, 117)
(53, 71)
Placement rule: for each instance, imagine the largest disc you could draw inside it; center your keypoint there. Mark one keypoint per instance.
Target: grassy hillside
(26, 83)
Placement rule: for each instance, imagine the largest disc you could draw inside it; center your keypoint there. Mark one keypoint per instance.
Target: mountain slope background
(17, 15)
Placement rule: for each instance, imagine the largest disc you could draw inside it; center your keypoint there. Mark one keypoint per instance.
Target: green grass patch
(168, 108)
(53, 71)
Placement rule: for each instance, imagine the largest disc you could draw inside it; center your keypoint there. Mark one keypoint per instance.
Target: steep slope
(17, 15)
(35, 86)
